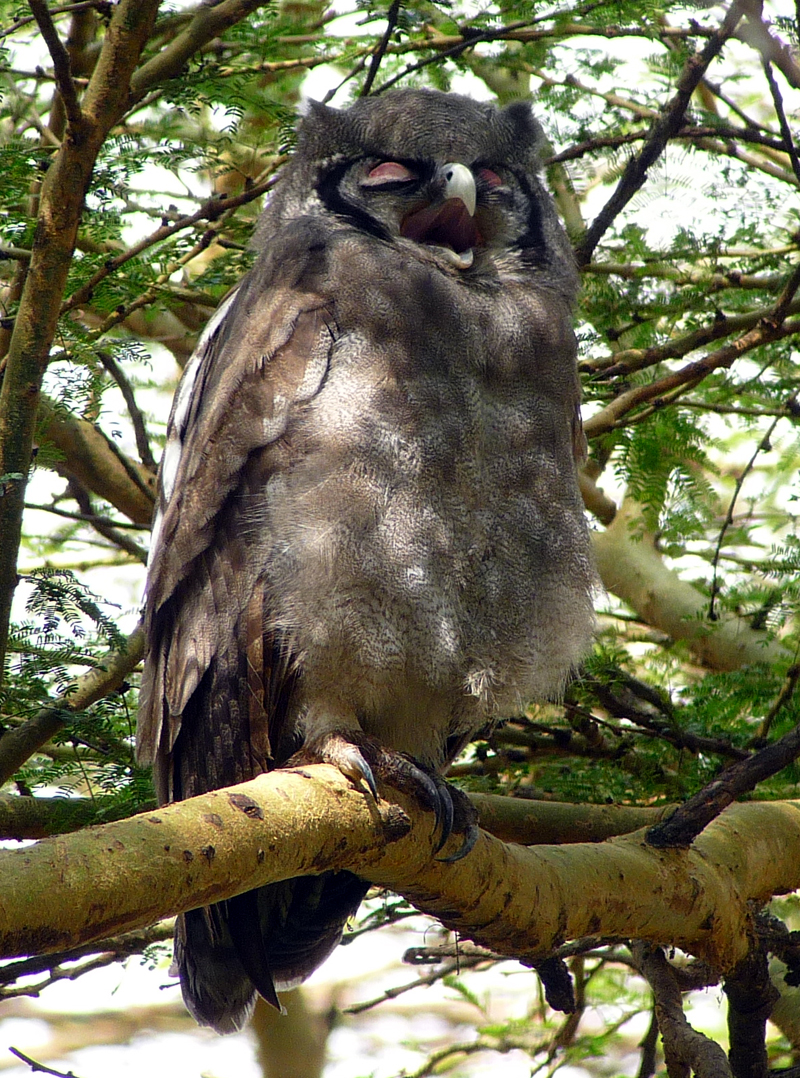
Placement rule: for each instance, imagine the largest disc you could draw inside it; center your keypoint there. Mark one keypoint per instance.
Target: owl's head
(450, 176)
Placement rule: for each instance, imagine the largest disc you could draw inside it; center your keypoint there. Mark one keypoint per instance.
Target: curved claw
(360, 757)
(353, 764)
(343, 752)
(470, 838)
(426, 782)
(443, 812)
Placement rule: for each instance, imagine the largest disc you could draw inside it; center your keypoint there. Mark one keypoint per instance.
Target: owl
(370, 541)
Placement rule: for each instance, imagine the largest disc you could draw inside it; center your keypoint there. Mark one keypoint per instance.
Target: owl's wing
(217, 682)
(210, 663)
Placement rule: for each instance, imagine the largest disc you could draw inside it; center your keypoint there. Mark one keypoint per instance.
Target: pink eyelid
(388, 172)
(490, 177)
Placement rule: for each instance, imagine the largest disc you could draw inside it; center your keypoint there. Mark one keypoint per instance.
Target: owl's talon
(355, 767)
(470, 838)
(464, 821)
(360, 758)
(443, 812)
(342, 751)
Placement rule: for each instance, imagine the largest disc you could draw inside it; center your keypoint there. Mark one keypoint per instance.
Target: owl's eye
(490, 178)
(386, 173)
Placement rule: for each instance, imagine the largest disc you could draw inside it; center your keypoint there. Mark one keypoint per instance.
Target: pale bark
(518, 901)
(512, 819)
(529, 822)
(631, 568)
(98, 465)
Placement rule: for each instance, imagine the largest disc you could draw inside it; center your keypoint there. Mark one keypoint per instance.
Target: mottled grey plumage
(370, 520)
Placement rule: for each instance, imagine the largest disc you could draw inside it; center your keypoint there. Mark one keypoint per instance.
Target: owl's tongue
(446, 225)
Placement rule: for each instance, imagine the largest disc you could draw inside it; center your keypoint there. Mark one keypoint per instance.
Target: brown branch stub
(685, 1050)
(686, 823)
(751, 997)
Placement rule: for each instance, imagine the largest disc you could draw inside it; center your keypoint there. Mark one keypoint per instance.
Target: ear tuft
(519, 116)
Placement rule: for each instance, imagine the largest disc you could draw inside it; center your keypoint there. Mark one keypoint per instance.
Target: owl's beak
(449, 223)
(460, 183)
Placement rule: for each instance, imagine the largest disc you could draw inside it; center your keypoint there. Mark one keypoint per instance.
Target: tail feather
(242, 920)
(215, 986)
(308, 926)
(276, 935)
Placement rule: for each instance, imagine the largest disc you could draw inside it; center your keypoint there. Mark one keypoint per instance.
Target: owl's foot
(361, 758)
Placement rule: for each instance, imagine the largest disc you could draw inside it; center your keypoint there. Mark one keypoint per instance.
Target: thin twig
(40, 1067)
(783, 305)
(61, 9)
(137, 419)
(102, 953)
(16, 746)
(777, 100)
(783, 697)
(717, 91)
(380, 51)
(61, 63)
(211, 210)
(690, 375)
(124, 542)
(447, 969)
(88, 518)
(762, 447)
(663, 129)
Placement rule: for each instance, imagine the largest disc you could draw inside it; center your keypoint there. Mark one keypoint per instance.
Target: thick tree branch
(634, 571)
(37, 817)
(516, 819)
(512, 819)
(97, 464)
(208, 22)
(60, 209)
(518, 901)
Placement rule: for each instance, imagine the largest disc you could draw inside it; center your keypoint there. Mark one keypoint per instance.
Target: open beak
(449, 223)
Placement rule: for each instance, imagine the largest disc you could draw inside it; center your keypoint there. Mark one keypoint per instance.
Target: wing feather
(267, 353)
